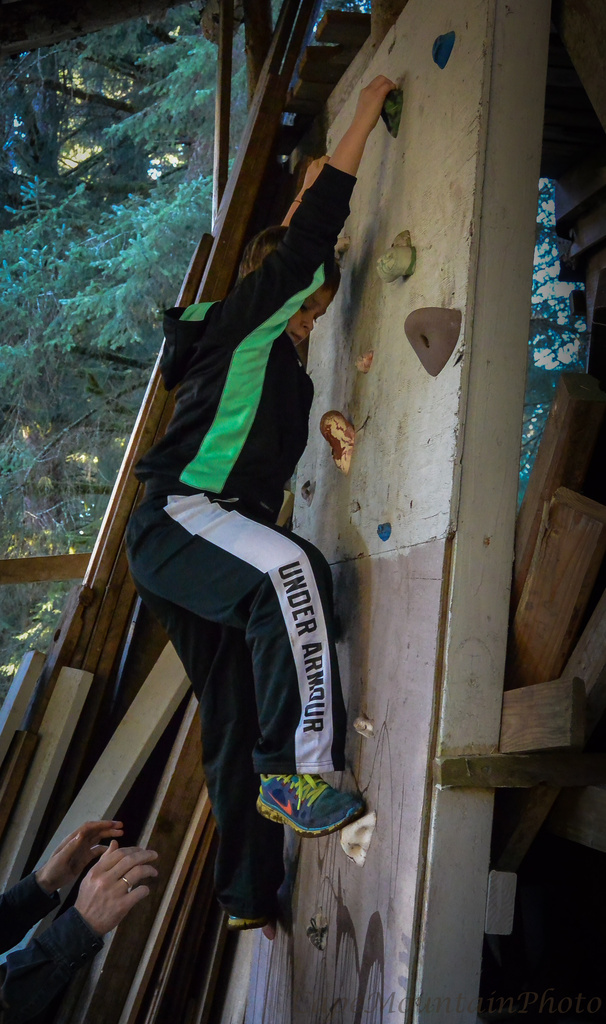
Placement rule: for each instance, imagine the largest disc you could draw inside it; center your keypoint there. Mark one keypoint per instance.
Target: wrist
(45, 881)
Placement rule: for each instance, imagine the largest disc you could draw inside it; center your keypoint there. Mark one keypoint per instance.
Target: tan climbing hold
(364, 726)
(433, 333)
(363, 363)
(341, 436)
(355, 838)
(399, 261)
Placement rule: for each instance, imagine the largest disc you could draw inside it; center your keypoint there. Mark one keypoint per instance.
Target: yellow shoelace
(307, 787)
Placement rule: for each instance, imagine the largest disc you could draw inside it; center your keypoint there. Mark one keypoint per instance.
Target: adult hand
(70, 858)
(112, 887)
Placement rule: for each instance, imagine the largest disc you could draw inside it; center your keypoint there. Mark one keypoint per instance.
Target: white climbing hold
(355, 838)
(364, 726)
(399, 261)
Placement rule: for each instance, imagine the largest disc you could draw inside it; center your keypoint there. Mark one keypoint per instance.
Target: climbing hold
(343, 244)
(384, 531)
(363, 363)
(364, 726)
(400, 260)
(442, 49)
(308, 489)
(392, 111)
(355, 838)
(317, 931)
(341, 436)
(433, 333)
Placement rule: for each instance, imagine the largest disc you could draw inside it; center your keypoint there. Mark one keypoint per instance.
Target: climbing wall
(388, 526)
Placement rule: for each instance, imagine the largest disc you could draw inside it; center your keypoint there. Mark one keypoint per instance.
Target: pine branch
(89, 97)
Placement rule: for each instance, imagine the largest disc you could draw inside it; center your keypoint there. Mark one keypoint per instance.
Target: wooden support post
(41, 568)
(580, 815)
(546, 716)
(257, 31)
(223, 103)
(567, 557)
(588, 660)
(18, 697)
(164, 831)
(55, 733)
(563, 458)
(582, 28)
(519, 771)
(14, 773)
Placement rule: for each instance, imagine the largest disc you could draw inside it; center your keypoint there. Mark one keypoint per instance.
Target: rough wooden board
(164, 832)
(56, 731)
(58, 654)
(546, 716)
(567, 557)
(536, 805)
(349, 28)
(223, 102)
(16, 702)
(580, 815)
(588, 661)
(14, 772)
(163, 917)
(45, 567)
(564, 454)
(512, 771)
(129, 747)
(582, 28)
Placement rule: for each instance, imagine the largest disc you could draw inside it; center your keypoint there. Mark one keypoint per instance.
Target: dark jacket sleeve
(21, 907)
(284, 273)
(36, 974)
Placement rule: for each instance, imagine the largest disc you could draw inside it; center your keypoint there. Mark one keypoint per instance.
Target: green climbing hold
(392, 111)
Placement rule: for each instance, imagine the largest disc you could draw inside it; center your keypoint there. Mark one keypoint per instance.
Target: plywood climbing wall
(392, 528)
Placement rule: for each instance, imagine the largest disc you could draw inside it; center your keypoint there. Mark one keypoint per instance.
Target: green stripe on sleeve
(197, 311)
(240, 399)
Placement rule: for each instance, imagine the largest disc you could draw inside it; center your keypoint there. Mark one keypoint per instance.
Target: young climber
(248, 605)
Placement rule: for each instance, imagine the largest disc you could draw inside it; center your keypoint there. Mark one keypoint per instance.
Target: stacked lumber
(555, 685)
(104, 726)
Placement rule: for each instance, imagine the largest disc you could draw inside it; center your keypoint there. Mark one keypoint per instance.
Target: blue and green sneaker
(308, 804)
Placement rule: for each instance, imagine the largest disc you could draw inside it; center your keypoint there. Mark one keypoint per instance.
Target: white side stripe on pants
(291, 573)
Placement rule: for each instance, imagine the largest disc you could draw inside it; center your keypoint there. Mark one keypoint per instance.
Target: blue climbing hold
(384, 531)
(442, 49)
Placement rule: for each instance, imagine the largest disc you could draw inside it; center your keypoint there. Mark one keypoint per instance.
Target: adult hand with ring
(104, 899)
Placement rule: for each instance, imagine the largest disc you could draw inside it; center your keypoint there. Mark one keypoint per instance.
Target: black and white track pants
(249, 610)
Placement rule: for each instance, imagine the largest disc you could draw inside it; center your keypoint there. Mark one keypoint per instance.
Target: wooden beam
(18, 697)
(164, 831)
(582, 28)
(588, 660)
(56, 731)
(563, 458)
(14, 773)
(27, 24)
(568, 553)
(255, 148)
(546, 716)
(257, 36)
(223, 103)
(42, 568)
(519, 771)
(349, 28)
(580, 815)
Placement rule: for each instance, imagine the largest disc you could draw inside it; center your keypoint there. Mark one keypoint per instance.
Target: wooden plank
(215, 949)
(519, 771)
(16, 702)
(581, 25)
(164, 831)
(41, 568)
(588, 660)
(255, 149)
(14, 772)
(325, 63)
(59, 654)
(580, 815)
(568, 553)
(165, 912)
(563, 458)
(257, 35)
(546, 716)
(128, 748)
(222, 103)
(349, 28)
(56, 731)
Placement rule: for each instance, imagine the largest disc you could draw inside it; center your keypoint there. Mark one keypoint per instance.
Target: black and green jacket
(240, 423)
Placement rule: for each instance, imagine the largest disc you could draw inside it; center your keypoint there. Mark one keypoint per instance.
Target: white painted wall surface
(437, 459)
